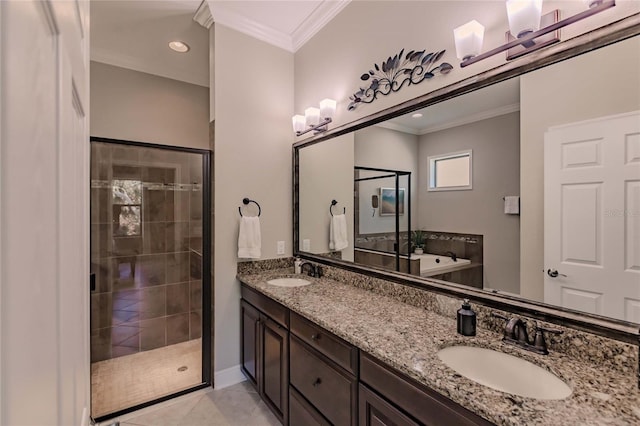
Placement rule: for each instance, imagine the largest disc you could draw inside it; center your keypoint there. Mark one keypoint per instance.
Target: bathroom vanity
(330, 381)
(345, 355)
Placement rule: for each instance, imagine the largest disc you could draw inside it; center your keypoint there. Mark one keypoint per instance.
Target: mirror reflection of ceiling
(492, 101)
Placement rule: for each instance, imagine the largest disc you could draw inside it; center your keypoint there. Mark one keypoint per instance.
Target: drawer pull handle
(317, 382)
(315, 337)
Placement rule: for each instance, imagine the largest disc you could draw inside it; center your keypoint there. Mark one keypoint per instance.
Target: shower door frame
(206, 271)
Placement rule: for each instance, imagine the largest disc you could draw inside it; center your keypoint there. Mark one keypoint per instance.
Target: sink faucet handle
(497, 315)
(539, 342)
(548, 330)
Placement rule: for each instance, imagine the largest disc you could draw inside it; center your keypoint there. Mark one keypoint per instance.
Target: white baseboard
(228, 377)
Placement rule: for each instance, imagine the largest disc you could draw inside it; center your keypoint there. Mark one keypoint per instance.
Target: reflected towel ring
(246, 201)
(333, 203)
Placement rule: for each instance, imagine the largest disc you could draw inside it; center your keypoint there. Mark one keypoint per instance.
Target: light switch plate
(280, 247)
(306, 245)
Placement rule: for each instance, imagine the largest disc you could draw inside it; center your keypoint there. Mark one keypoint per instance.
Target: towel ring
(246, 201)
(333, 203)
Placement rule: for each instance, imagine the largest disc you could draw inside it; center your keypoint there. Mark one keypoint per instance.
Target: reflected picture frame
(388, 202)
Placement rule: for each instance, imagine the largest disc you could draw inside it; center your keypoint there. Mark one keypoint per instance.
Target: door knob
(554, 273)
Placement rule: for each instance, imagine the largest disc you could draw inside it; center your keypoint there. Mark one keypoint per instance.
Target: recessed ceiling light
(416, 115)
(179, 46)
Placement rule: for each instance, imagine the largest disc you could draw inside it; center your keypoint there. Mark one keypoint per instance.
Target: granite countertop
(408, 338)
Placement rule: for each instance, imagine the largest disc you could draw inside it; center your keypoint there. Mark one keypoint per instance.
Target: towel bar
(246, 201)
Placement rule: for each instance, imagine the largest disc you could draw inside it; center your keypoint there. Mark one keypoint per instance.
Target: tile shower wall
(148, 262)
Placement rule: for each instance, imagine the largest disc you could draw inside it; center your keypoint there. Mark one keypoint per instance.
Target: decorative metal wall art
(396, 71)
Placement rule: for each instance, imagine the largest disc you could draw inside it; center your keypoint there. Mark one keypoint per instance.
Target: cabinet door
(274, 370)
(375, 411)
(250, 322)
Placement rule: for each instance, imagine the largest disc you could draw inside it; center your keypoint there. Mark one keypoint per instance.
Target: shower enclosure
(383, 218)
(151, 274)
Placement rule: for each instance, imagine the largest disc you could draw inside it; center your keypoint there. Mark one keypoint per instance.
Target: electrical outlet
(280, 247)
(306, 245)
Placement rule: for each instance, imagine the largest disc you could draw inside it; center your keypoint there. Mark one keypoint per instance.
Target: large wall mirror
(527, 188)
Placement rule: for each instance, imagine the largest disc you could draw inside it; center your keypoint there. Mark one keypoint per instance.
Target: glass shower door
(147, 210)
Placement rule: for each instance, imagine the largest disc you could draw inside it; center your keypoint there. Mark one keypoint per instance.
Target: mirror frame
(612, 328)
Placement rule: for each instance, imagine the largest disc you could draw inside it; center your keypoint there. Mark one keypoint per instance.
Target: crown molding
(203, 15)
(250, 27)
(313, 23)
(325, 12)
(119, 60)
(398, 128)
(484, 115)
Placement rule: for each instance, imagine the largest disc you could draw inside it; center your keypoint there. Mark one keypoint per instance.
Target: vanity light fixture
(179, 46)
(529, 30)
(315, 119)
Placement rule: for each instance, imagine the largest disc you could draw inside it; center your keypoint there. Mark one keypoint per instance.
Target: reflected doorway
(150, 265)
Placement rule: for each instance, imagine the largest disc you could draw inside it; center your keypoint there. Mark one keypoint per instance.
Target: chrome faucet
(314, 270)
(515, 333)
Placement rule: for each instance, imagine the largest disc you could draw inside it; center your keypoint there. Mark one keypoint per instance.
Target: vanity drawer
(330, 390)
(336, 349)
(273, 309)
(425, 405)
(303, 413)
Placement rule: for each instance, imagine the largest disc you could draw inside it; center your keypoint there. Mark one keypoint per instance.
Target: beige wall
(253, 136)
(496, 173)
(367, 32)
(383, 148)
(136, 106)
(326, 173)
(600, 83)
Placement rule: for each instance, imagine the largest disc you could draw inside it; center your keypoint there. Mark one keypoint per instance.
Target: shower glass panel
(383, 219)
(147, 261)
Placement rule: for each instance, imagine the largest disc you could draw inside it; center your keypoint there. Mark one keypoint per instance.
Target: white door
(44, 158)
(592, 216)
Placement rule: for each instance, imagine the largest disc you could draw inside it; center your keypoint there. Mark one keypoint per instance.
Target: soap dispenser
(297, 265)
(466, 320)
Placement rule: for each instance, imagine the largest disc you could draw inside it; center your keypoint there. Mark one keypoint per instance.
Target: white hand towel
(512, 204)
(249, 240)
(338, 237)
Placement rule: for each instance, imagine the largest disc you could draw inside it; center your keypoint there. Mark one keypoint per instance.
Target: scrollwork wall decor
(396, 71)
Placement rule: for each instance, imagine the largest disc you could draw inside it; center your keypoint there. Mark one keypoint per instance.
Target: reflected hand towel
(338, 237)
(249, 239)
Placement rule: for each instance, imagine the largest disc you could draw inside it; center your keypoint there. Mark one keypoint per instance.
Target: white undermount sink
(289, 282)
(504, 372)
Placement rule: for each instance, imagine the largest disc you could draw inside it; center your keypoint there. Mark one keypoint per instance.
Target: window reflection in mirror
(527, 226)
(451, 172)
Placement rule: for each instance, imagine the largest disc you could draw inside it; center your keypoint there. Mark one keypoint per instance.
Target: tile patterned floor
(130, 380)
(237, 405)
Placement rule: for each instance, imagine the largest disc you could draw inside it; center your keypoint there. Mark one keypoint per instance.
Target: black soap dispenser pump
(466, 319)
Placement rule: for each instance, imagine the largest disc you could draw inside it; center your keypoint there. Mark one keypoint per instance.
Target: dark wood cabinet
(250, 324)
(375, 411)
(425, 405)
(265, 358)
(308, 376)
(327, 387)
(302, 413)
(274, 371)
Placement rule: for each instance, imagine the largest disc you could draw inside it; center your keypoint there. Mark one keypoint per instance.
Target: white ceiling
(134, 33)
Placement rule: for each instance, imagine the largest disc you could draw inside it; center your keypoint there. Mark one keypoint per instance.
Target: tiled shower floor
(123, 382)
